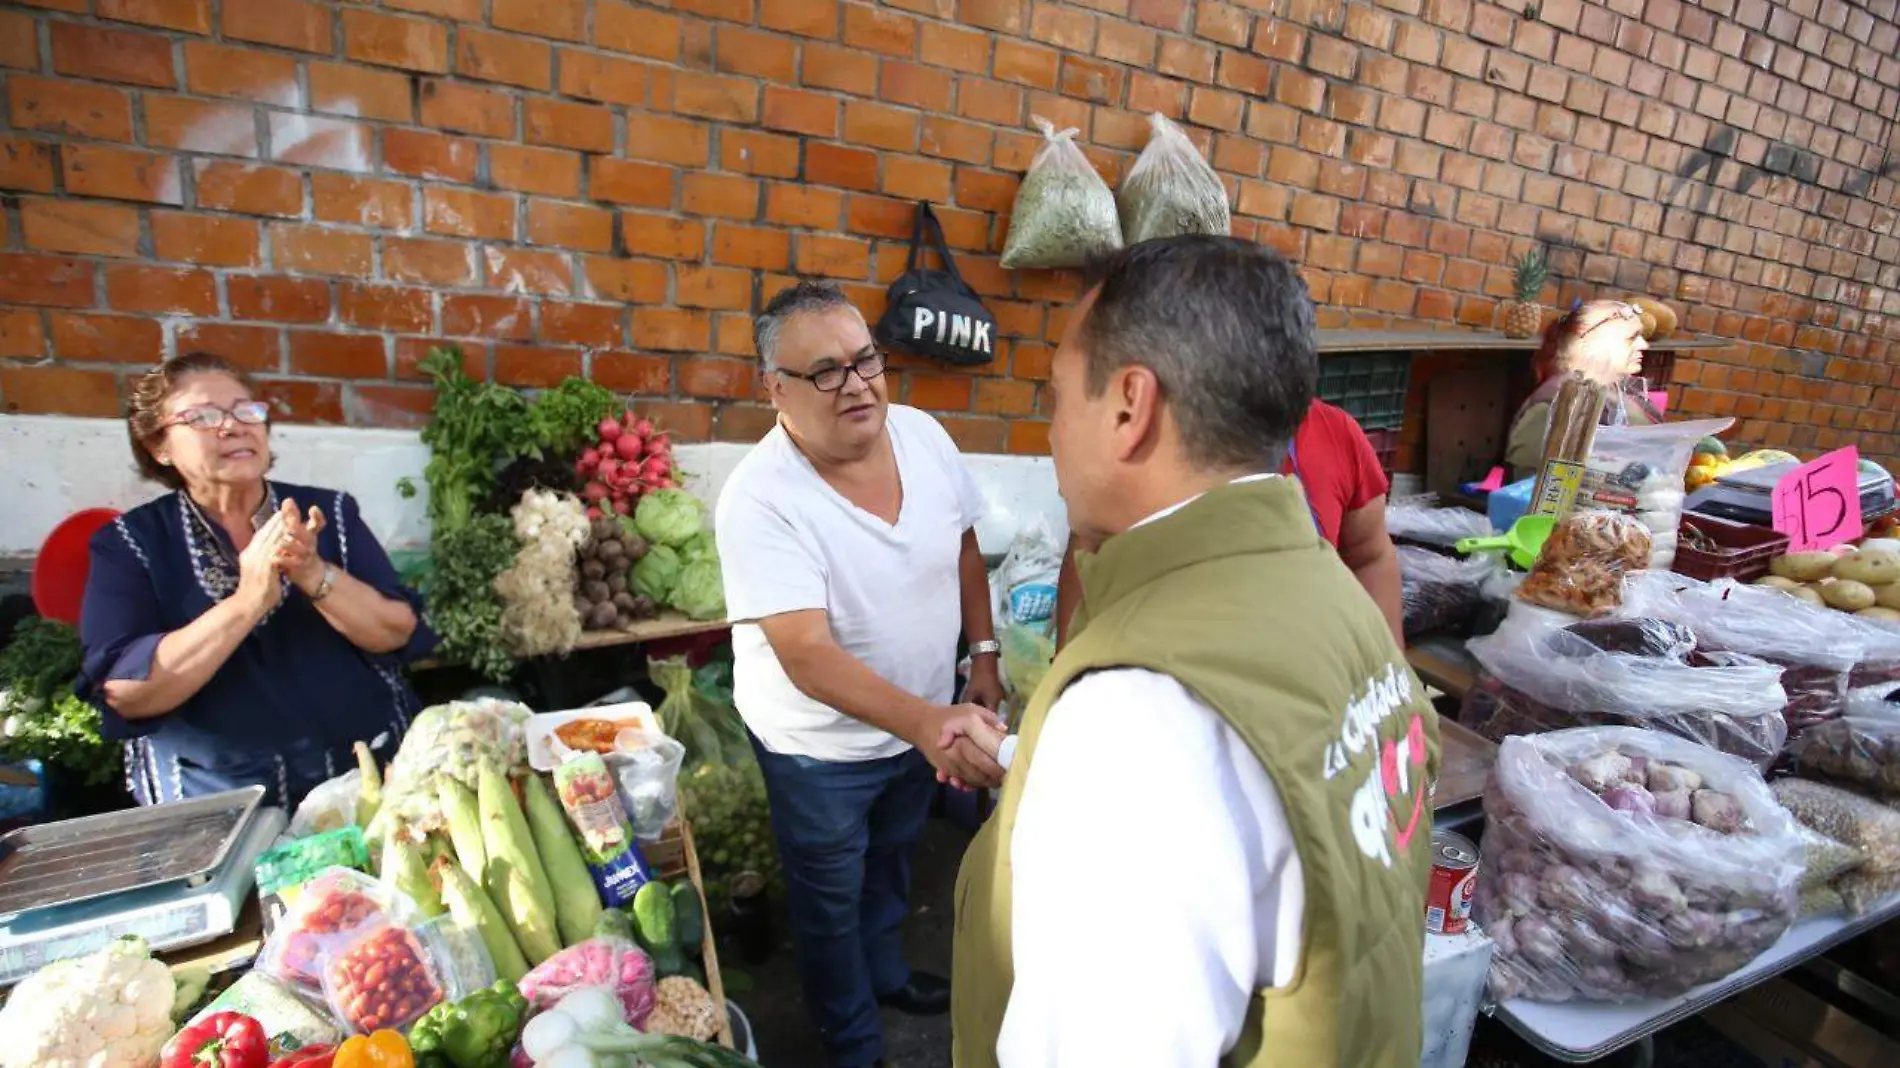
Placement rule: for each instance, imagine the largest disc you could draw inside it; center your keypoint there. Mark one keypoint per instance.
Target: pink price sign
(1818, 504)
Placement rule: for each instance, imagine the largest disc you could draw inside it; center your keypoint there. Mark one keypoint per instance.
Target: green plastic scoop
(1525, 540)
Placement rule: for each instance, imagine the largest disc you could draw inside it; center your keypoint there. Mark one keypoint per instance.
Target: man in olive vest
(1213, 840)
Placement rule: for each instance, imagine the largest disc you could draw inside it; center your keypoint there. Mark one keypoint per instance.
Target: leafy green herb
(567, 417)
(475, 427)
(43, 719)
(463, 606)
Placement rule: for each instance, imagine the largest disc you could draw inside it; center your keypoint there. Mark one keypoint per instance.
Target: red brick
(281, 300)
(917, 86)
(624, 372)
(995, 103)
(295, 24)
(751, 246)
(186, 291)
(912, 179)
(713, 287)
(638, 31)
(514, 270)
(317, 250)
(671, 330)
(254, 348)
(569, 226)
(200, 126)
(831, 67)
(80, 337)
(70, 108)
(798, 111)
(360, 92)
(325, 354)
(245, 73)
(581, 126)
(503, 318)
(719, 377)
(394, 407)
(60, 391)
(112, 55)
(879, 31)
(464, 213)
(631, 182)
(401, 309)
(442, 263)
(756, 55)
(314, 142)
(1186, 59)
(796, 205)
(120, 174)
(207, 240)
(50, 280)
(938, 392)
(466, 109)
(561, 19)
(833, 257)
(960, 141)
(249, 189)
(966, 50)
(806, 18)
(714, 96)
(191, 16)
(667, 140)
(593, 325)
(21, 336)
(627, 281)
(19, 42)
(881, 126)
(603, 78)
(724, 195)
(51, 225)
(535, 366)
(503, 57)
(419, 154)
(848, 168)
(378, 204)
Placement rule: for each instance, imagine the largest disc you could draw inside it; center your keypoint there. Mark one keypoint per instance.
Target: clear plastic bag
(1861, 751)
(330, 806)
(1846, 817)
(1440, 593)
(1545, 678)
(1170, 190)
(450, 739)
(614, 963)
(1638, 471)
(1421, 520)
(1023, 603)
(1064, 214)
(646, 767)
(1817, 647)
(329, 912)
(691, 714)
(386, 977)
(1824, 859)
(1593, 893)
(1862, 890)
(1581, 568)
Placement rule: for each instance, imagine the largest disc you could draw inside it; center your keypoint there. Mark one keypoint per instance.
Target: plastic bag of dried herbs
(1170, 190)
(1064, 214)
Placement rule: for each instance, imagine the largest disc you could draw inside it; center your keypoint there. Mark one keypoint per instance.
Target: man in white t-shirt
(851, 567)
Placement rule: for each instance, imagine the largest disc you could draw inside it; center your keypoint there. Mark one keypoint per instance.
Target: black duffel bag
(936, 314)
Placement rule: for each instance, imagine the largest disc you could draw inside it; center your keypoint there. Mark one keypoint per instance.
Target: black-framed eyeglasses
(208, 417)
(831, 379)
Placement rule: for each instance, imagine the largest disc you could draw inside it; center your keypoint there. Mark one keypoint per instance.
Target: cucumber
(576, 902)
(689, 919)
(513, 876)
(472, 909)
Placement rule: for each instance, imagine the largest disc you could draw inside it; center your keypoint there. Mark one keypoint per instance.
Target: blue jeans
(845, 834)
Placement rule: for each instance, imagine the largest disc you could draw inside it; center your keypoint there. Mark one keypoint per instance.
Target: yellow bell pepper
(381, 1049)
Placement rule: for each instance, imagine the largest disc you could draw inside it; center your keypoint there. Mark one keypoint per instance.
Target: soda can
(1454, 877)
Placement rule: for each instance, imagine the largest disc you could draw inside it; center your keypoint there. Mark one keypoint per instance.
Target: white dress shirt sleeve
(1120, 960)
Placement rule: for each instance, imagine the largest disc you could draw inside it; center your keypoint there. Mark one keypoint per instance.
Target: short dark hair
(1226, 326)
(145, 407)
(802, 298)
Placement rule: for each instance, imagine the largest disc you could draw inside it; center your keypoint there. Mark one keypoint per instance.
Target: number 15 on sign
(1818, 504)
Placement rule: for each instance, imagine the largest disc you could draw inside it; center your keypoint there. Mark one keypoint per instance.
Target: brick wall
(323, 189)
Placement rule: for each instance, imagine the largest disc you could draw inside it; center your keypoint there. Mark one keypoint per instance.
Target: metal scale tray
(64, 863)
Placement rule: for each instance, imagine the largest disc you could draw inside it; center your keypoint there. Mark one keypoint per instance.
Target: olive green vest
(1237, 598)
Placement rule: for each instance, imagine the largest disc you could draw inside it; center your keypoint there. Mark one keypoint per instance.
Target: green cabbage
(668, 517)
(657, 573)
(700, 546)
(700, 591)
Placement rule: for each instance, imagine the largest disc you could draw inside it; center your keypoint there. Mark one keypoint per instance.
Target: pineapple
(1525, 316)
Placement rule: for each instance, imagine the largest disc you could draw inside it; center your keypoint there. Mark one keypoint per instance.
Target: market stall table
(1581, 1032)
(667, 625)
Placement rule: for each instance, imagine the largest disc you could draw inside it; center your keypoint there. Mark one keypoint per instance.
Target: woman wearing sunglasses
(1602, 340)
(238, 631)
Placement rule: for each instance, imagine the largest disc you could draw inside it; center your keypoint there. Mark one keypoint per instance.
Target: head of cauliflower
(108, 1009)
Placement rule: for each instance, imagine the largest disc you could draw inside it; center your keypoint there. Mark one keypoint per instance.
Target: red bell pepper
(221, 1040)
(307, 1057)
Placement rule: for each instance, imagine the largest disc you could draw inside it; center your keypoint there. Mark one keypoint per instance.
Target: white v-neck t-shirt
(788, 542)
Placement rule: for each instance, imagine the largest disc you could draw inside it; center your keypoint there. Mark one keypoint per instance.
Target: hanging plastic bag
(1170, 190)
(331, 805)
(449, 739)
(1626, 672)
(1023, 604)
(613, 964)
(711, 731)
(1638, 470)
(1594, 888)
(1421, 520)
(1064, 214)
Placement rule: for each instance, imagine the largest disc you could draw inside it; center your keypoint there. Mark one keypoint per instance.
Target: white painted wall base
(53, 466)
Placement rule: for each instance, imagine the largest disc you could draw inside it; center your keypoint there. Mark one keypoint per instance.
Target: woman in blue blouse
(239, 631)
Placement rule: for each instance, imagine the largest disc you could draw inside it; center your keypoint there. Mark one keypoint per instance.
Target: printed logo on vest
(959, 330)
(1394, 781)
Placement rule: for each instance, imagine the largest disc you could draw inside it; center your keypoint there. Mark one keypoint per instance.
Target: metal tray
(97, 856)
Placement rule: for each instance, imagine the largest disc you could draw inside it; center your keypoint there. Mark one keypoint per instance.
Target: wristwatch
(323, 588)
(987, 647)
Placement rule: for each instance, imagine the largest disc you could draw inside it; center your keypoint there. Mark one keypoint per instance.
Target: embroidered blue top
(286, 707)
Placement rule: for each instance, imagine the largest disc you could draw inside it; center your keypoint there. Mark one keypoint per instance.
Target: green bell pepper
(478, 1031)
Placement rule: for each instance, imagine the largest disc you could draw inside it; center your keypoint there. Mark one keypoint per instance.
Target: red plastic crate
(1743, 552)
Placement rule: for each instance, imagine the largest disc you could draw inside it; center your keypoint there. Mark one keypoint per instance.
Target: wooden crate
(670, 858)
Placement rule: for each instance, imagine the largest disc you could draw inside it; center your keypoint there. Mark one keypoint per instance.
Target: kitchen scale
(1744, 497)
(175, 875)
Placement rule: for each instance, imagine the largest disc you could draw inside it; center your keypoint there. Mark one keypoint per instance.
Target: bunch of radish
(630, 460)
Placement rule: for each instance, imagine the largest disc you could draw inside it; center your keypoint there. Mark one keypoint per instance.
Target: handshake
(961, 742)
